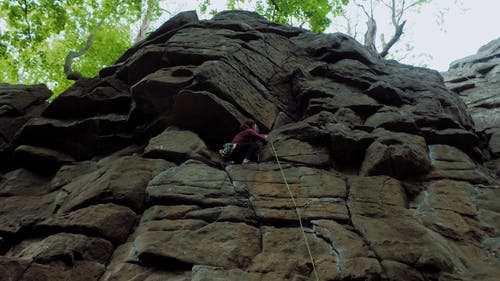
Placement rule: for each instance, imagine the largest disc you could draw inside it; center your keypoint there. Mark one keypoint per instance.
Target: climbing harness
(296, 210)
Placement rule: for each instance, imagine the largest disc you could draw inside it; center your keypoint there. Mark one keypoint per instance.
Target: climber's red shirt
(248, 135)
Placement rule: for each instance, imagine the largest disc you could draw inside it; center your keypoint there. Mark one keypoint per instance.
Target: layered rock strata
(119, 179)
(476, 79)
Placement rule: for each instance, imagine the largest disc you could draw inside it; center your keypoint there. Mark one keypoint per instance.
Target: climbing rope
(296, 210)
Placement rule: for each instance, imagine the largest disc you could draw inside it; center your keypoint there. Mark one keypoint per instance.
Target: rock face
(119, 179)
(476, 79)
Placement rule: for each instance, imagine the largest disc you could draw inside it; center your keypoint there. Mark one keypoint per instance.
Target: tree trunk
(68, 70)
(370, 34)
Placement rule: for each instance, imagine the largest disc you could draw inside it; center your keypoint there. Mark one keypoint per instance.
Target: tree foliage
(36, 36)
(316, 14)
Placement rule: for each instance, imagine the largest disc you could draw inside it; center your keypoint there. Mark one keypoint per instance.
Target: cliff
(119, 178)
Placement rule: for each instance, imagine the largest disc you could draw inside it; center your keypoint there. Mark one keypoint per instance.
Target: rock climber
(246, 143)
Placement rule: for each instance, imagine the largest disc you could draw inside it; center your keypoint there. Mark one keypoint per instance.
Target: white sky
(465, 29)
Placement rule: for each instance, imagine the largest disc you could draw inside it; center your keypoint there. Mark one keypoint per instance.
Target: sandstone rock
(284, 251)
(163, 32)
(462, 139)
(202, 272)
(392, 119)
(284, 211)
(406, 241)
(399, 155)
(123, 181)
(231, 86)
(132, 271)
(475, 78)
(80, 139)
(354, 258)
(448, 223)
(82, 271)
(178, 146)
(125, 265)
(199, 221)
(192, 182)
(494, 144)
(199, 111)
(219, 244)
(41, 159)
(394, 271)
(293, 150)
(108, 96)
(452, 196)
(451, 163)
(153, 95)
(348, 146)
(18, 103)
(17, 212)
(109, 221)
(486, 198)
(12, 269)
(64, 247)
(265, 180)
(318, 93)
(299, 143)
(381, 190)
(22, 182)
(494, 167)
(68, 173)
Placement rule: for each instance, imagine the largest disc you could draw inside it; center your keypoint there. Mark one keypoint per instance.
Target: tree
(36, 37)
(397, 10)
(313, 13)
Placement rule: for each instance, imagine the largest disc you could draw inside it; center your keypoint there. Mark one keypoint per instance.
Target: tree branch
(394, 39)
(24, 7)
(145, 21)
(75, 75)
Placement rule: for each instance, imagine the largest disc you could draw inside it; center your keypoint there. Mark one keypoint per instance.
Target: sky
(467, 25)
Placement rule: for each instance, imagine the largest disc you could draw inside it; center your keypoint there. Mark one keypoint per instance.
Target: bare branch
(363, 8)
(395, 20)
(385, 4)
(74, 75)
(411, 5)
(394, 39)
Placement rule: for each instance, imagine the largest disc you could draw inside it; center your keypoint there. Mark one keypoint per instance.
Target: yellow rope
(297, 210)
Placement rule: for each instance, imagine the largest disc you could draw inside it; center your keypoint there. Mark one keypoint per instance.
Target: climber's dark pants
(245, 151)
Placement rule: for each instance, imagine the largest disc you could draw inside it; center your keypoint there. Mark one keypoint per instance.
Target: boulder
(81, 139)
(43, 160)
(122, 181)
(398, 155)
(449, 162)
(194, 183)
(235, 244)
(178, 146)
(22, 212)
(153, 95)
(199, 111)
(283, 251)
(18, 104)
(109, 221)
(230, 85)
(22, 182)
(63, 247)
(494, 144)
(89, 98)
